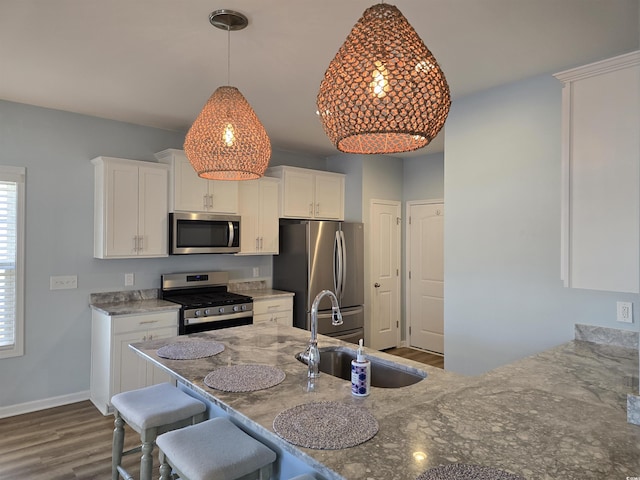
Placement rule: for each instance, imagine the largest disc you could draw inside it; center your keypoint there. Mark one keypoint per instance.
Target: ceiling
(156, 62)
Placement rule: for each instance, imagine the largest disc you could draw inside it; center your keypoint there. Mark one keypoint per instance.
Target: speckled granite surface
(560, 414)
(607, 336)
(130, 302)
(261, 293)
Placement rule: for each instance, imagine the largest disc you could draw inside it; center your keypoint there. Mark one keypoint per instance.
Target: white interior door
(425, 257)
(385, 274)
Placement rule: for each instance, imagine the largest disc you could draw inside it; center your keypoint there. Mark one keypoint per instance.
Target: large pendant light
(227, 141)
(384, 91)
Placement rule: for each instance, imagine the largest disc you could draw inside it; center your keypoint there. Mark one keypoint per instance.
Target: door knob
(377, 285)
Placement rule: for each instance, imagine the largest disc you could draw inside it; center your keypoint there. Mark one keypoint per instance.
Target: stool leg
(118, 445)
(165, 469)
(146, 461)
(265, 472)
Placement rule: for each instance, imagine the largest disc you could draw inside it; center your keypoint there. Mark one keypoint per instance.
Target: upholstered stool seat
(305, 476)
(214, 450)
(150, 411)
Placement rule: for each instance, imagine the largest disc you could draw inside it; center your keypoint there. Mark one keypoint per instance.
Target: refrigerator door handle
(337, 265)
(343, 282)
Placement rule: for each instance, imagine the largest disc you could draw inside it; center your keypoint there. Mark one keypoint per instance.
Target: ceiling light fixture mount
(383, 92)
(228, 19)
(227, 141)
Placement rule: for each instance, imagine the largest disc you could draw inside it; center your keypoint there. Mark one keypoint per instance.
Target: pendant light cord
(229, 56)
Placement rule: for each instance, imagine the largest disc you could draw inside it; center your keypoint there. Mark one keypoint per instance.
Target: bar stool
(214, 450)
(305, 476)
(150, 411)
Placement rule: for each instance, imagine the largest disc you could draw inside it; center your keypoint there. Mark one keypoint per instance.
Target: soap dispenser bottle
(360, 374)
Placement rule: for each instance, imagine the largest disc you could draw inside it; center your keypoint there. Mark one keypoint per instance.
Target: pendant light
(384, 91)
(226, 140)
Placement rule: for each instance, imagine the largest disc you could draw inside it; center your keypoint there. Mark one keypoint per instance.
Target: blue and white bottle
(360, 374)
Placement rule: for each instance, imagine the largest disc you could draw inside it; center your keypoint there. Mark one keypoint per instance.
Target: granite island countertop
(560, 414)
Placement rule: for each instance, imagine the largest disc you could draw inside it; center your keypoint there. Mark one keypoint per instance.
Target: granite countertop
(257, 290)
(130, 302)
(560, 414)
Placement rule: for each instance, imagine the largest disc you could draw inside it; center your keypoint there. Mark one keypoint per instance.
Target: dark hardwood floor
(418, 356)
(73, 442)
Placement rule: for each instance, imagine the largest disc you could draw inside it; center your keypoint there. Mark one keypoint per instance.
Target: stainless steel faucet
(311, 354)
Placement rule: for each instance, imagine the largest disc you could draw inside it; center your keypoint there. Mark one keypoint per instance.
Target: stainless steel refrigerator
(323, 255)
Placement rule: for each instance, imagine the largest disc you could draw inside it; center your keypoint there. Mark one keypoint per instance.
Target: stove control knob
(244, 307)
(207, 312)
(198, 313)
(236, 308)
(221, 310)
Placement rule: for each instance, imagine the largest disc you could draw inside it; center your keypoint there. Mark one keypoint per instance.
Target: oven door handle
(217, 318)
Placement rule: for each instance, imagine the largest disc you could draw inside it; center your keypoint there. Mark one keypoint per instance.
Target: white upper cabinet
(308, 193)
(130, 208)
(258, 202)
(600, 175)
(190, 193)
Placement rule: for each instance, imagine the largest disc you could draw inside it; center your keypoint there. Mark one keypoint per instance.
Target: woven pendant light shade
(384, 91)
(227, 141)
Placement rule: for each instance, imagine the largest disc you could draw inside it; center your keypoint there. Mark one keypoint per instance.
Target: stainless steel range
(206, 302)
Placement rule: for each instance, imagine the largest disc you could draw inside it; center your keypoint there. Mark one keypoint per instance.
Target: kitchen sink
(336, 361)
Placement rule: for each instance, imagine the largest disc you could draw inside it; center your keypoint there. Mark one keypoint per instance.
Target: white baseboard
(43, 404)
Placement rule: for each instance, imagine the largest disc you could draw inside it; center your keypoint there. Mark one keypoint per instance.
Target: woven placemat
(244, 378)
(325, 425)
(190, 350)
(463, 471)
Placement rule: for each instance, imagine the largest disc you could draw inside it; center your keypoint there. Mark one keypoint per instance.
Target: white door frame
(370, 284)
(407, 266)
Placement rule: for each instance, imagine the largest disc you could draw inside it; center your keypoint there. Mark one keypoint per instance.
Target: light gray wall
(351, 166)
(503, 294)
(423, 177)
(56, 148)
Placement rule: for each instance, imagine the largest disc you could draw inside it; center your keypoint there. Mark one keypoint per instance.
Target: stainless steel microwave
(191, 233)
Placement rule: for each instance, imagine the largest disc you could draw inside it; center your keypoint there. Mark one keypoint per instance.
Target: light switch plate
(128, 279)
(63, 282)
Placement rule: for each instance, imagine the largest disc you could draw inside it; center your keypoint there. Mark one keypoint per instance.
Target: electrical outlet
(256, 272)
(63, 282)
(625, 312)
(128, 279)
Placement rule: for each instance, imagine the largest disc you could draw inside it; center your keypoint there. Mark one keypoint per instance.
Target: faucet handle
(336, 317)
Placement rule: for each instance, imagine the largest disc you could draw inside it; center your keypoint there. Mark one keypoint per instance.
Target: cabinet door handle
(317, 209)
(211, 200)
(145, 322)
(311, 209)
(260, 243)
(273, 307)
(140, 243)
(257, 243)
(135, 243)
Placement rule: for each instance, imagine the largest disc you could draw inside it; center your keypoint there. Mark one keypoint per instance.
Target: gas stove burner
(206, 302)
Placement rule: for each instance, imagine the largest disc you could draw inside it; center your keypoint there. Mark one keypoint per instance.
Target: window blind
(8, 260)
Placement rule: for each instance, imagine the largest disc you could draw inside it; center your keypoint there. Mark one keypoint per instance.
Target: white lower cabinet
(115, 367)
(278, 310)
